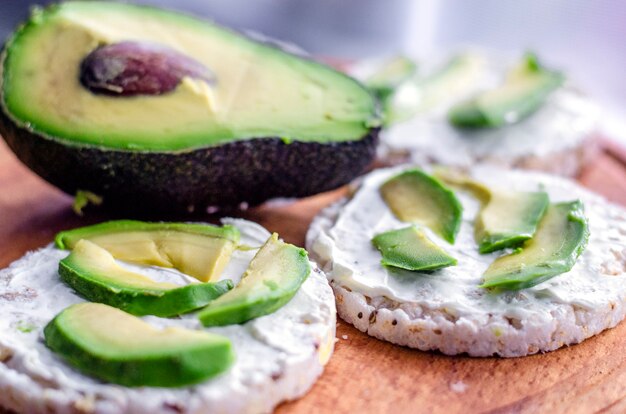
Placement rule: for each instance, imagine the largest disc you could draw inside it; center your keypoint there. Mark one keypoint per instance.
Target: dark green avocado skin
(250, 171)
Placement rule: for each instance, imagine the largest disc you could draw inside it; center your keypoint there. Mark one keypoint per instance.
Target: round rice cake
(446, 310)
(278, 356)
(558, 138)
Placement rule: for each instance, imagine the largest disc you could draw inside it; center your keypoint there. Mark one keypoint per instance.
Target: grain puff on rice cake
(446, 310)
(557, 138)
(278, 356)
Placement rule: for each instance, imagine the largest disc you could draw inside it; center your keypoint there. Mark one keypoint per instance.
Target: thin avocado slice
(155, 110)
(409, 248)
(113, 346)
(198, 250)
(560, 238)
(392, 74)
(273, 277)
(419, 94)
(506, 218)
(416, 197)
(95, 275)
(524, 90)
(509, 218)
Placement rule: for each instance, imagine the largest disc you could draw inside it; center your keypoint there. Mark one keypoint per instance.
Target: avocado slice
(416, 197)
(390, 75)
(506, 218)
(509, 218)
(560, 238)
(271, 280)
(524, 90)
(94, 274)
(409, 248)
(160, 111)
(111, 345)
(198, 250)
(420, 94)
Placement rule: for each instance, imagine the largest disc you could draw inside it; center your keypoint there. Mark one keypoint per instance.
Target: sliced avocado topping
(560, 238)
(198, 250)
(409, 248)
(420, 94)
(221, 85)
(95, 275)
(524, 90)
(461, 180)
(111, 345)
(271, 280)
(508, 219)
(416, 197)
(392, 74)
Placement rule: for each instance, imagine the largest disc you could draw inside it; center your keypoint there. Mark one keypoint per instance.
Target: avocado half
(156, 110)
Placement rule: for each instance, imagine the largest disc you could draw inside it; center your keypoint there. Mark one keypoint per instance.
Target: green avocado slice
(420, 94)
(392, 74)
(416, 197)
(271, 280)
(94, 274)
(199, 250)
(409, 248)
(506, 218)
(560, 238)
(509, 218)
(524, 90)
(111, 345)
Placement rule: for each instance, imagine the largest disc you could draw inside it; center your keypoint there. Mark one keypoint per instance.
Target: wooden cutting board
(366, 375)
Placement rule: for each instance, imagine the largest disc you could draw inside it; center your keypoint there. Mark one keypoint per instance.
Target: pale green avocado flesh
(409, 248)
(419, 94)
(258, 90)
(560, 238)
(416, 197)
(113, 346)
(199, 250)
(273, 277)
(390, 75)
(524, 90)
(95, 275)
(508, 219)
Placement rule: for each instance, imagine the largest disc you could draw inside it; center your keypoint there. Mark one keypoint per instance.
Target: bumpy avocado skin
(226, 175)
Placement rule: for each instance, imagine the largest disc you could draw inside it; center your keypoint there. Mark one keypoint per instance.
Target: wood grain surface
(366, 375)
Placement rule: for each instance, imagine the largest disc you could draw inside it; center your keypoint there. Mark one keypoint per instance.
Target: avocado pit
(138, 68)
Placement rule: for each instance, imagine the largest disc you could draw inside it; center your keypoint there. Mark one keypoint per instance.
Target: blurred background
(587, 39)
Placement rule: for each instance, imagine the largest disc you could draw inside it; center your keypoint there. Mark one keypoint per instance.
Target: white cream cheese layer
(343, 247)
(278, 356)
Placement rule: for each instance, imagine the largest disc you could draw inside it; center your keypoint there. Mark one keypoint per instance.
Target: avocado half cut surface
(409, 248)
(95, 275)
(116, 347)
(524, 90)
(157, 110)
(560, 238)
(273, 277)
(416, 197)
(198, 250)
